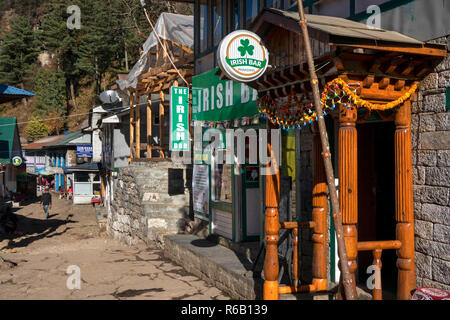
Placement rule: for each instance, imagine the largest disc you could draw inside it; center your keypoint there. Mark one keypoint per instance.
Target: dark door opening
(376, 199)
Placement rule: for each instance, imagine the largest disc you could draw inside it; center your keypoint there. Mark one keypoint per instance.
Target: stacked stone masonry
(430, 124)
(144, 208)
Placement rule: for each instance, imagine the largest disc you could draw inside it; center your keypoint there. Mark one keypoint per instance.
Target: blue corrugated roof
(5, 89)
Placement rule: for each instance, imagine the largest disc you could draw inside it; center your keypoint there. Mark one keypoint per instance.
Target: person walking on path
(46, 202)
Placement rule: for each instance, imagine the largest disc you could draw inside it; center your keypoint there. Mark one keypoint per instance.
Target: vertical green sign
(179, 119)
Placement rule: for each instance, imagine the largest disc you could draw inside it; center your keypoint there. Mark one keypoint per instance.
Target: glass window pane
(221, 183)
(218, 20)
(251, 11)
(236, 15)
(203, 25)
(273, 3)
(82, 189)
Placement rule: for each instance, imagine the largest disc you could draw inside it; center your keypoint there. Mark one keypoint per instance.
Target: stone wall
(431, 169)
(150, 199)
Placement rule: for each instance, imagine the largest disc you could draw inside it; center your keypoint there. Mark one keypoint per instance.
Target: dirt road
(41, 255)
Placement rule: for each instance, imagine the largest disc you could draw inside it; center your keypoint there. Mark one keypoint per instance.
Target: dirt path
(108, 269)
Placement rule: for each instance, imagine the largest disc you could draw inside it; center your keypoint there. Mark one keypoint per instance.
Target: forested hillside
(68, 67)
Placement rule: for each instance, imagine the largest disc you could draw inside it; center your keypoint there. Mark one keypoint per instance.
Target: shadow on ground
(30, 230)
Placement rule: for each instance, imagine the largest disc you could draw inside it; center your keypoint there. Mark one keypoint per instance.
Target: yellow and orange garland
(293, 115)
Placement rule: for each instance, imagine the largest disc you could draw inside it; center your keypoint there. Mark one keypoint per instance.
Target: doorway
(376, 198)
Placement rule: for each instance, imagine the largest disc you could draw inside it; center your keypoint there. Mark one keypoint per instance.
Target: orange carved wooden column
(272, 226)
(319, 215)
(404, 213)
(348, 184)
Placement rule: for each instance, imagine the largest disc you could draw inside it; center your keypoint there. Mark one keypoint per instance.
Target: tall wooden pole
(347, 279)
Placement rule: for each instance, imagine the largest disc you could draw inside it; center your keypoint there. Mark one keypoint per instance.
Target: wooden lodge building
(386, 95)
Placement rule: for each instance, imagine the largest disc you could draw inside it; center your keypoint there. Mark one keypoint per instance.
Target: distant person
(46, 202)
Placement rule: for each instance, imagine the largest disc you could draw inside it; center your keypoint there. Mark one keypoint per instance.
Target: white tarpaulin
(173, 27)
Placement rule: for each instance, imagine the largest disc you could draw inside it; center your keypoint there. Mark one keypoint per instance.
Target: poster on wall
(84, 151)
(200, 189)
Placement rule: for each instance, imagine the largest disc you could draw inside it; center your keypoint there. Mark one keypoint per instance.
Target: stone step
(217, 265)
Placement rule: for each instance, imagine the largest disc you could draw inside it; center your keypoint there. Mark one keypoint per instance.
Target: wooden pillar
(149, 126)
(272, 226)
(131, 124)
(348, 184)
(161, 123)
(319, 215)
(138, 126)
(404, 213)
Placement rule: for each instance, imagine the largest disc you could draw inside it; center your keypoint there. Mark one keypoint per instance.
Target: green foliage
(36, 129)
(50, 90)
(18, 52)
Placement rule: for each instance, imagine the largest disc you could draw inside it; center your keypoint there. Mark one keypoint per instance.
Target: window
(221, 183)
(218, 21)
(251, 11)
(204, 23)
(274, 4)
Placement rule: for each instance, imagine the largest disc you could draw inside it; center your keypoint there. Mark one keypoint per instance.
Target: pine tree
(50, 90)
(18, 52)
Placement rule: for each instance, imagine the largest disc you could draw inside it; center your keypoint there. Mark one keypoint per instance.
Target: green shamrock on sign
(246, 47)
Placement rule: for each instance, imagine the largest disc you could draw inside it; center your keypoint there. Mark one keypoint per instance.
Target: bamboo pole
(347, 280)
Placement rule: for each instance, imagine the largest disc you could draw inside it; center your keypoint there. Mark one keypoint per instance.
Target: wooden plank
(418, 50)
(149, 126)
(131, 124)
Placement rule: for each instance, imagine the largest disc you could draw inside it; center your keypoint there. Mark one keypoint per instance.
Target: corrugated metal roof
(347, 28)
(10, 93)
(44, 142)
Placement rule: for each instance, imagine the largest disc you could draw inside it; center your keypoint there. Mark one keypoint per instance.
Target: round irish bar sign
(242, 57)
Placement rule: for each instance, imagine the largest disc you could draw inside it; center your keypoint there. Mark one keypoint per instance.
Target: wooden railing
(294, 226)
(377, 248)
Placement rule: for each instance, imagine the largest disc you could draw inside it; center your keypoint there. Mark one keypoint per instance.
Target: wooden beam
(408, 69)
(393, 64)
(368, 81)
(374, 93)
(161, 122)
(375, 66)
(339, 64)
(149, 126)
(138, 127)
(384, 83)
(399, 85)
(426, 51)
(131, 124)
